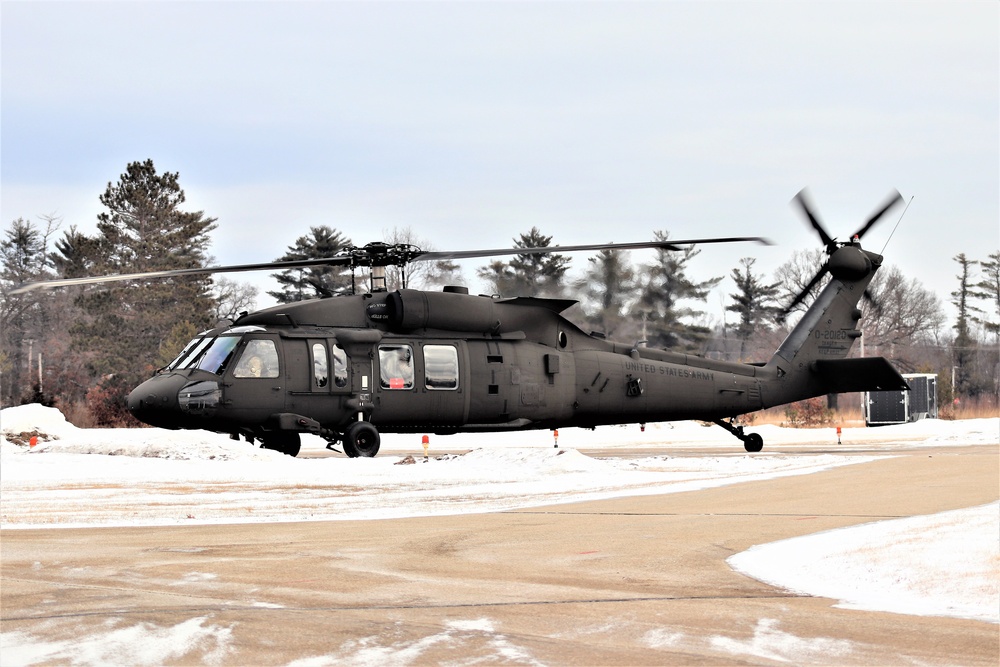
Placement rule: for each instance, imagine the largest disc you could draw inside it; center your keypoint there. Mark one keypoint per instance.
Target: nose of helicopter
(155, 402)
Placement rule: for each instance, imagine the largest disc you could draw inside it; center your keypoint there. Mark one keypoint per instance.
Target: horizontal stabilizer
(864, 374)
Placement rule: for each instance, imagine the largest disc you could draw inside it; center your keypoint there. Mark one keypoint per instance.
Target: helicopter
(348, 368)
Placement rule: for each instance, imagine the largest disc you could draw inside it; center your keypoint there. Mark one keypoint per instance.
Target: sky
(470, 123)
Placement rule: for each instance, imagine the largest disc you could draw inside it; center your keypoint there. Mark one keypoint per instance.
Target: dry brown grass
(845, 416)
(849, 413)
(981, 408)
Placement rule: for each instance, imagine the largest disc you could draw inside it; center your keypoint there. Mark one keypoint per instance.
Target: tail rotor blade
(893, 199)
(805, 292)
(802, 199)
(870, 299)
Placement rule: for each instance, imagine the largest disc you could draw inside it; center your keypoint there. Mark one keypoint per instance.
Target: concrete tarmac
(630, 581)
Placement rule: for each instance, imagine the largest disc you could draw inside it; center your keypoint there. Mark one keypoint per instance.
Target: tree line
(83, 348)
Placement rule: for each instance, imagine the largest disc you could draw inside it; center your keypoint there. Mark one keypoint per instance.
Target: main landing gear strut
(752, 442)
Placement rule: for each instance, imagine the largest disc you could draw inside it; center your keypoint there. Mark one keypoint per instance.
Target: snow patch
(945, 564)
(770, 643)
(140, 644)
(455, 638)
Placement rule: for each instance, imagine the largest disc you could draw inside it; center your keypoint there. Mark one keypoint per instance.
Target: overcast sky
(473, 122)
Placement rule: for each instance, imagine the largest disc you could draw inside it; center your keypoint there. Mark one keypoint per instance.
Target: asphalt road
(631, 581)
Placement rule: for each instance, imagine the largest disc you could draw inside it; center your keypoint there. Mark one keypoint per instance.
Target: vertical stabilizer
(830, 326)
(827, 331)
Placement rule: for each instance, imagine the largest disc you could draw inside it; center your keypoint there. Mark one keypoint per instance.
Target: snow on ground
(104, 477)
(947, 564)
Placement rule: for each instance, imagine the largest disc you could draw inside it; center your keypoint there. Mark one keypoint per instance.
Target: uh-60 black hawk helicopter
(348, 368)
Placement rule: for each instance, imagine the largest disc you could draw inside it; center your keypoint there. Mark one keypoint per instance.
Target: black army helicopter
(348, 368)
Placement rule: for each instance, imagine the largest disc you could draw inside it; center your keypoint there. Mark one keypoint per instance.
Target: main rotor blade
(893, 199)
(118, 277)
(802, 198)
(671, 244)
(368, 256)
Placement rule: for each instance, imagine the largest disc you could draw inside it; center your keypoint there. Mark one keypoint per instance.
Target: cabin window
(339, 366)
(259, 360)
(321, 365)
(217, 356)
(396, 366)
(441, 366)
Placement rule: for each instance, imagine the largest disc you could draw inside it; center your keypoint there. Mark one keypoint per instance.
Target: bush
(106, 403)
(810, 412)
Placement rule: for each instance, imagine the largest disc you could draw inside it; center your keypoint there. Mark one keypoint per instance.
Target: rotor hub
(849, 262)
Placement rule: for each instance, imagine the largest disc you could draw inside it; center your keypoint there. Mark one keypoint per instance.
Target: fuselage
(430, 361)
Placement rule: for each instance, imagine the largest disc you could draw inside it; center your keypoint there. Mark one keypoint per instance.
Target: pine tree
(22, 253)
(965, 345)
(37, 323)
(753, 301)
(76, 254)
(608, 286)
(499, 278)
(988, 289)
(142, 229)
(316, 281)
(538, 273)
(665, 285)
(528, 274)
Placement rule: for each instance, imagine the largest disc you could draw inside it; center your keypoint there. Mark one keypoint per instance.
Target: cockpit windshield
(207, 354)
(190, 352)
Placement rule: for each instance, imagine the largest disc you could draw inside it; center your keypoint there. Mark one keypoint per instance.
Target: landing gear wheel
(286, 442)
(753, 442)
(361, 439)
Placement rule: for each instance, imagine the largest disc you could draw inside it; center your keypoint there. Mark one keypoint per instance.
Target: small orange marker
(33, 441)
(426, 441)
(555, 436)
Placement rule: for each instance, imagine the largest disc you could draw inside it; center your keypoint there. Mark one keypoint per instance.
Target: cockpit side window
(258, 360)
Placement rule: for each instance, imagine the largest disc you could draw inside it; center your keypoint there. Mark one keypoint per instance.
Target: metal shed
(899, 407)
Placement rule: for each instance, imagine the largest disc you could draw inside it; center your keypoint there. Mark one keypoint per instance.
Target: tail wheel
(286, 442)
(361, 439)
